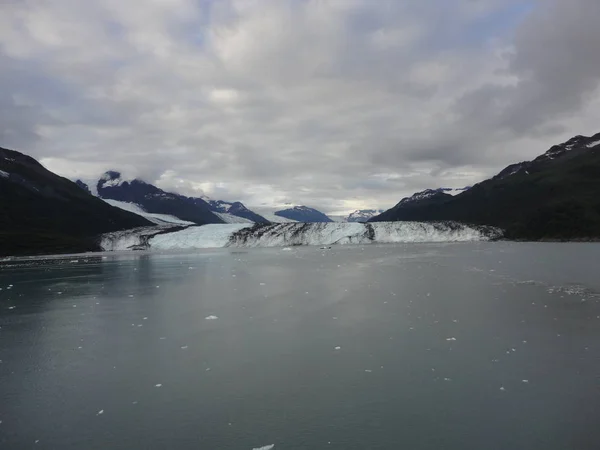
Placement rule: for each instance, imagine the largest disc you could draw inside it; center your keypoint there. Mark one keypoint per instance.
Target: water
(457, 346)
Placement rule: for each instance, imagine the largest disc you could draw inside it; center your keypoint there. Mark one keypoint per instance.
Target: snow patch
(4, 174)
(159, 219)
(593, 144)
(265, 447)
(230, 218)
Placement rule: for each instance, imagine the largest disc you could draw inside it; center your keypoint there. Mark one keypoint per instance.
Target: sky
(335, 104)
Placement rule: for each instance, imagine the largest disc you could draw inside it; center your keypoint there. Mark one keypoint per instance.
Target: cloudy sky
(336, 104)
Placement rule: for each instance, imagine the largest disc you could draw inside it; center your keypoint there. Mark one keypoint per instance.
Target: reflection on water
(489, 345)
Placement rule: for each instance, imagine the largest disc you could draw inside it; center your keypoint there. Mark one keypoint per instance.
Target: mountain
(554, 197)
(235, 209)
(154, 200)
(363, 215)
(41, 212)
(303, 214)
(269, 214)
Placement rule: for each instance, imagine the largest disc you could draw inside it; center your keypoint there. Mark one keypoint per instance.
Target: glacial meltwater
(487, 346)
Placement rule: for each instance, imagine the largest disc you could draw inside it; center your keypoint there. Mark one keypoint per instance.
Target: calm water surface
(461, 346)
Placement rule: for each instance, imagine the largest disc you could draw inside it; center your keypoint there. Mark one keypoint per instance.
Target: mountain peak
(363, 215)
(424, 195)
(303, 214)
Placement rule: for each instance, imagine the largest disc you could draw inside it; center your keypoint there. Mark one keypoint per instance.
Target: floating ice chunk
(451, 339)
(211, 318)
(131, 295)
(286, 249)
(11, 307)
(183, 347)
(502, 388)
(100, 412)
(264, 447)
(158, 385)
(368, 370)
(263, 284)
(338, 348)
(524, 381)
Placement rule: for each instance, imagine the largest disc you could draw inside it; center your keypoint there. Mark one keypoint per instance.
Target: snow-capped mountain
(269, 214)
(146, 197)
(554, 196)
(572, 147)
(154, 200)
(234, 209)
(303, 214)
(427, 194)
(363, 215)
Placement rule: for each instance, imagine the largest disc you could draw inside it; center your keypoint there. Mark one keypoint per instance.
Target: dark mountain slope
(41, 212)
(155, 200)
(555, 196)
(303, 214)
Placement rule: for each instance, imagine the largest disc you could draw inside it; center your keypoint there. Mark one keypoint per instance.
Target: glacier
(158, 219)
(293, 234)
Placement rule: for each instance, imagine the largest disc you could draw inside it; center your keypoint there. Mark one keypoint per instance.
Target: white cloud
(336, 104)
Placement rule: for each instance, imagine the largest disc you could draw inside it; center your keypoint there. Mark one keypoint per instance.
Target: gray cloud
(337, 104)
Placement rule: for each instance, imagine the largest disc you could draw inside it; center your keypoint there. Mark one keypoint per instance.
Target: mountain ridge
(303, 214)
(555, 196)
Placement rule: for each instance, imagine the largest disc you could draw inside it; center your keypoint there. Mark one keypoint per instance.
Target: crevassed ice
(285, 235)
(206, 236)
